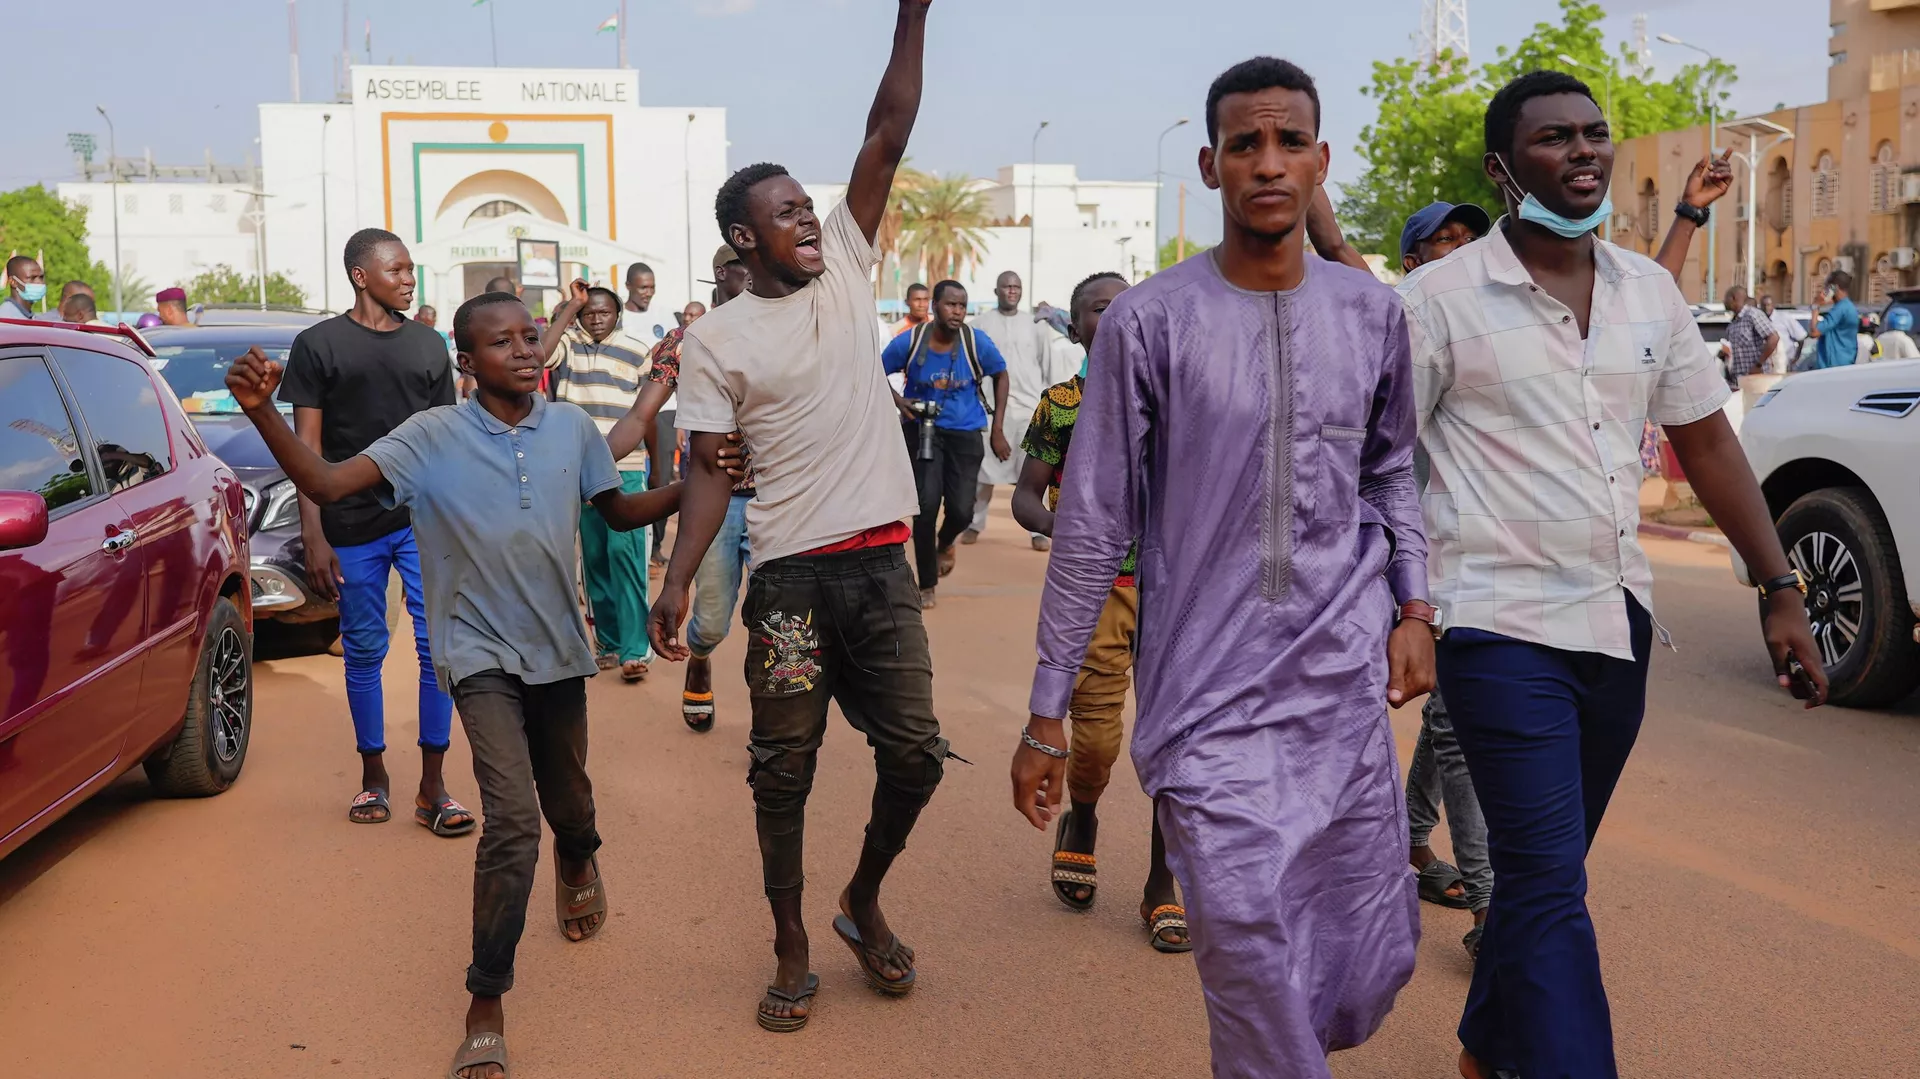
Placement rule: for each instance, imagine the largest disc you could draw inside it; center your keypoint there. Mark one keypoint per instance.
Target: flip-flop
(1164, 917)
(871, 960)
(1435, 879)
(434, 818)
(374, 797)
(1472, 941)
(697, 710)
(789, 1024)
(481, 1049)
(636, 673)
(1072, 870)
(574, 902)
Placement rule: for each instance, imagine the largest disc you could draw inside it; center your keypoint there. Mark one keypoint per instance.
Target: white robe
(1037, 357)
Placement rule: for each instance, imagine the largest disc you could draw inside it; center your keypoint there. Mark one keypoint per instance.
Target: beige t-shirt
(800, 378)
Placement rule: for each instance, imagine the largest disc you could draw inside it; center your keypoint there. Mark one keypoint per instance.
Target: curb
(1691, 535)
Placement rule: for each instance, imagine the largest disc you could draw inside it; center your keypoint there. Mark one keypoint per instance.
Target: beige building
(1842, 193)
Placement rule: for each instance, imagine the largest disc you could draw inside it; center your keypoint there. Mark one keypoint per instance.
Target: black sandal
(434, 818)
(873, 960)
(373, 798)
(1472, 942)
(697, 710)
(1436, 878)
(1164, 917)
(789, 1023)
(1072, 870)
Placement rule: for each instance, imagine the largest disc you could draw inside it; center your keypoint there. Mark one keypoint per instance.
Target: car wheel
(1856, 595)
(212, 745)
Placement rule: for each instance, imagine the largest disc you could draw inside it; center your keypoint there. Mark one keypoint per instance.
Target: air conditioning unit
(1909, 187)
(1903, 258)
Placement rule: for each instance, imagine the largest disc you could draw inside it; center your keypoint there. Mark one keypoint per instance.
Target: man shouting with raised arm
(832, 609)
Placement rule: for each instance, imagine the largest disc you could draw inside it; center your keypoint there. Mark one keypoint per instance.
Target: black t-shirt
(365, 383)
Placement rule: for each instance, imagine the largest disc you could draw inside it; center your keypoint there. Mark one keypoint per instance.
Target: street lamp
(257, 216)
(113, 178)
(1159, 182)
(326, 278)
(1713, 131)
(1606, 107)
(686, 192)
(1755, 128)
(1033, 196)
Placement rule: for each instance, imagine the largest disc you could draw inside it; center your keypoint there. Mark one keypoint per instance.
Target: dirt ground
(1754, 889)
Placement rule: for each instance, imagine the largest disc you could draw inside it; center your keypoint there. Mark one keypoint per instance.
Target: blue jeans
(364, 639)
(1546, 734)
(716, 584)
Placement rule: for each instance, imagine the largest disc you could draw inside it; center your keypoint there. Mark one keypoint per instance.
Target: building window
(1885, 181)
(218, 204)
(1777, 210)
(1826, 187)
(176, 204)
(1883, 280)
(496, 208)
(1647, 217)
(1838, 58)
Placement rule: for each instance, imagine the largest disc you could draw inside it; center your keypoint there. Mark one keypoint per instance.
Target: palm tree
(906, 181)
(943, 226)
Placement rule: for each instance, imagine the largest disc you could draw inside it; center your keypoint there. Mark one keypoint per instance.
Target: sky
(797, 76)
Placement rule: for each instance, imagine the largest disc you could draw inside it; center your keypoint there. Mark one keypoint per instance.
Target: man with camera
(945, 407)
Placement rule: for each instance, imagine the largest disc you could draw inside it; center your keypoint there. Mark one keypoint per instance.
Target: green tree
(943, 226)
(1427, 141)
(223, 284)
(35, 221)
(1170, 251)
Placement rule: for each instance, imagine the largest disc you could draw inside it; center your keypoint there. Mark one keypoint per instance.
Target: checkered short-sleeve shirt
(1533, 506)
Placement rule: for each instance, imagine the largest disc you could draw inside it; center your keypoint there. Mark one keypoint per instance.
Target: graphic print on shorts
(793, 652)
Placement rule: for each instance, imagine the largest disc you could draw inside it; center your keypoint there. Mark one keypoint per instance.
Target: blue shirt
(495, 511)
(946, 377)
(1839, 336)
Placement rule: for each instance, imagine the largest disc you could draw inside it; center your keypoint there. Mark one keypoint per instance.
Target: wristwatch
(1421, 611)
(1790, 579)
(1696, 214)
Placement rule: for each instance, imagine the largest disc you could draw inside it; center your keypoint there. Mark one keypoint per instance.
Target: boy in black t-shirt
(351, 380)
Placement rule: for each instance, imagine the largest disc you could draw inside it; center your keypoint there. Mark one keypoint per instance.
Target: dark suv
(194, 361)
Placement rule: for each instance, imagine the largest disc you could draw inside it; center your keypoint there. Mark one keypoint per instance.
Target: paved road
(1755, 890)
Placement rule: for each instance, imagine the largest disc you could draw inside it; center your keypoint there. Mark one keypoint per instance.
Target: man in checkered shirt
(1538, 353)
(1751, 336)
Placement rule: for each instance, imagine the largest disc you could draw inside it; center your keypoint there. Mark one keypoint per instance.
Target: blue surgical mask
(1083, 364)
(33, 293)
(1531, 209)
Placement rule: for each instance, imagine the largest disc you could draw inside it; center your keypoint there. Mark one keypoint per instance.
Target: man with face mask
(26, 286)
(1537, 354)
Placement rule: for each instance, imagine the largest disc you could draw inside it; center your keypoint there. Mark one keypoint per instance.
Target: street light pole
(686, 191)
(1713, 113)
(1754, 128)
(1033, 196)
(326, 278)
(113, 178)
(1607, 109)
(1159, 183)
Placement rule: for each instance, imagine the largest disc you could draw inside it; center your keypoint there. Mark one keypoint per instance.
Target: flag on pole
(478, 3)
(612, 24)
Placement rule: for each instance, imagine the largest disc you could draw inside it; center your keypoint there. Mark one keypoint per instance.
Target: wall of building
(169, 231)
(1874, 45)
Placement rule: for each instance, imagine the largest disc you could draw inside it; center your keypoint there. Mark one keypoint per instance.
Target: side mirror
(23, 519)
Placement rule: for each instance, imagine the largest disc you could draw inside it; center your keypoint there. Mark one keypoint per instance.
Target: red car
(125, 619)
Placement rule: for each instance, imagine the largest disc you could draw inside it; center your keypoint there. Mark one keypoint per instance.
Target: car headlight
(1767, 396)
(283, 507)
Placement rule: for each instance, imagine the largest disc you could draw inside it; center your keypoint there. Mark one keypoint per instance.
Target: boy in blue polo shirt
(940, 366)
(496, 486)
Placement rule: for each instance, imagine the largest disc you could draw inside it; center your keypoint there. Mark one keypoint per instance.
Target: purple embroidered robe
(1260, 447)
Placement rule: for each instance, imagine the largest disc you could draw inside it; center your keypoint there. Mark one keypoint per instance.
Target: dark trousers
(952, 475)
(844, 628)
(530, 758)
(662, 443)
(1546, 734)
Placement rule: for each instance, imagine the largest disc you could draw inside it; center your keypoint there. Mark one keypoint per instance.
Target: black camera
(925, 412)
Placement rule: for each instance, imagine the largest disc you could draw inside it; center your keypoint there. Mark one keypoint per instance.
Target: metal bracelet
(1027, 737)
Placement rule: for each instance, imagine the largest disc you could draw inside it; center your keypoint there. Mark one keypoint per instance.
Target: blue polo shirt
(946, 377)
(495, 512)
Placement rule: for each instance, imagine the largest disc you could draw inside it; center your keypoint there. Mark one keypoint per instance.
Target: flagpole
(493, 34)
(623, 33)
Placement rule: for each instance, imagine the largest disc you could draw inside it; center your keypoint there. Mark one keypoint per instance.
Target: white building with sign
(461, 163)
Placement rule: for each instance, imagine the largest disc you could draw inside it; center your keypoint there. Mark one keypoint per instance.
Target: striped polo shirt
(603, 378)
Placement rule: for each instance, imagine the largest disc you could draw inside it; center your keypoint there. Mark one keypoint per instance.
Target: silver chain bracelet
(1027, 737)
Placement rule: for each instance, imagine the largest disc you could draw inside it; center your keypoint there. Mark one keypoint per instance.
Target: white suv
(1838, 455)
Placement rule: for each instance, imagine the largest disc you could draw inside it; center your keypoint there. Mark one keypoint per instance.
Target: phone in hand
(1799, 683)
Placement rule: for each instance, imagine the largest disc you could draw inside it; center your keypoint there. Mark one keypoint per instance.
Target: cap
(1427, 220)
(722, 257)
(175, 295)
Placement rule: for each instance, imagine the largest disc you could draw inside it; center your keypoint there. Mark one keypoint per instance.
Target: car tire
(1838, 539)
(212, 745)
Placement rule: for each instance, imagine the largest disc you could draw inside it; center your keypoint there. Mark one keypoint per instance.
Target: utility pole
(113, 177)
(623, 34)
(1159, 183)
(1033, 207)
(326, 278)
(1180, 246)
(686, 188)
(293, 47)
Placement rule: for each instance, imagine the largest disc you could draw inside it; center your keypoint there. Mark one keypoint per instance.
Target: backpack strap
(972, 348)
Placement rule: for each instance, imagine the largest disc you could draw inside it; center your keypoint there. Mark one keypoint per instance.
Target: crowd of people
(1297, 499)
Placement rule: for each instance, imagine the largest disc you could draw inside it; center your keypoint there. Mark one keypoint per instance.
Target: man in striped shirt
(601, 369)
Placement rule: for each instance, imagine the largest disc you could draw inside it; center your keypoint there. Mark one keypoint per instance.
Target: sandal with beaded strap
(1072, 870)
(1163, 918)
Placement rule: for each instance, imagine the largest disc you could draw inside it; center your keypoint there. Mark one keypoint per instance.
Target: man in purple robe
(1248, 417)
